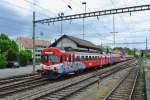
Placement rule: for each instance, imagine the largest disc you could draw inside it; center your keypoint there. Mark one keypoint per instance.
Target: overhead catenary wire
(120, 15)
(35, 4)
(23, 8)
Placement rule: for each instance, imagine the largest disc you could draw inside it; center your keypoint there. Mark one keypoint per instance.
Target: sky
(16, 21)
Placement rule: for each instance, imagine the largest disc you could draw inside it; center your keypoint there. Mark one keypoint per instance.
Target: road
(17, 71)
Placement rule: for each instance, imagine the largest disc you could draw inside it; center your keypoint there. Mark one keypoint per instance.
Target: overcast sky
(16, 20)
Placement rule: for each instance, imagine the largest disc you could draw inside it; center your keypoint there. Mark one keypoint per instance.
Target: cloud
(17, 19)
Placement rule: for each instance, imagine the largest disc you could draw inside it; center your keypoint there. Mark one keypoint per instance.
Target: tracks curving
(124, 89)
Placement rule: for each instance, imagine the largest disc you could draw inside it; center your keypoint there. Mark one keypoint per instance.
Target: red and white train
(56, 62)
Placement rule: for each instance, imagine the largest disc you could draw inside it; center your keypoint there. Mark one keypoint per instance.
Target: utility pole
(33, 42)
(114, 37)
(61, 28)
(84, 3)
(62, 14)
(146, 47)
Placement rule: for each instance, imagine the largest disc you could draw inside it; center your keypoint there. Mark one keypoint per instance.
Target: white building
(75, 43)
(25, 43)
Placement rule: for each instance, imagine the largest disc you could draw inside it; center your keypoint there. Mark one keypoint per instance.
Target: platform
(17, 71)
(147, 79)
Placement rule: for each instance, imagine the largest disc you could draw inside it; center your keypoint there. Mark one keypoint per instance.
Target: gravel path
(16, 71)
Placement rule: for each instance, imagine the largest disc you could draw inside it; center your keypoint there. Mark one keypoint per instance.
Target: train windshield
(44, 58)
(51, 58)
(54, 59)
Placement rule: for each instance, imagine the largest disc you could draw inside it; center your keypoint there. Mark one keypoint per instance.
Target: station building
(25, 43)
(71, 42)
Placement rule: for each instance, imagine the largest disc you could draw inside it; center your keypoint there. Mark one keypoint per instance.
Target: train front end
(50, 63)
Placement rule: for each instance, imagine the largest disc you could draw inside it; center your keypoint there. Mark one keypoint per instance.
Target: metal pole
(84, 3)
(33, 42)
(114, 29)
(61, 26)
(146, 47)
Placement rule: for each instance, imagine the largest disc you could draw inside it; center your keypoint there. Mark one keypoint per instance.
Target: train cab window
(54, 58)
(44, 58)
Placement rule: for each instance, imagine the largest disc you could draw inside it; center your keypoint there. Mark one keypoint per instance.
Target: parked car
(13, 64)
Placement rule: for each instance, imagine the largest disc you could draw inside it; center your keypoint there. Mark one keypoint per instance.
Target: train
(56, 62)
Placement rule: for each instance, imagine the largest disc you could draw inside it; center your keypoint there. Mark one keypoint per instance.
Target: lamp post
(33, 42)
(84, 3)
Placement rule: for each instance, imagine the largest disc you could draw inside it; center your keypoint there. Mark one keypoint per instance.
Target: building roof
(28, 42)
(80, 42)
(117, 52)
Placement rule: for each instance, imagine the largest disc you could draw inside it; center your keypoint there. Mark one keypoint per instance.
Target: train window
(82, 58)
(95, 57)
(78, 58)
(69, 58)
(72, 57)
(54, 58)
(87, 57)
(44, 58)
(90, 57)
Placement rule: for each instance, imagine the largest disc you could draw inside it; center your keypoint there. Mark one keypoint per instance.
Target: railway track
(71, 88)
(20, 86)
(15, 84)
(10, 89)
(17, 78)
(139, 91)
(124, 89)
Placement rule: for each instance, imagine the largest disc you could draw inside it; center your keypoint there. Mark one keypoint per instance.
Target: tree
(6, 43)
(11, 55)
(3, 61)
(25, 57)
(8, 50)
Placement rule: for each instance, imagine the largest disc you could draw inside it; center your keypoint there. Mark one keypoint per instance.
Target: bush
(3, 61)
(25, 57)
(11, 55)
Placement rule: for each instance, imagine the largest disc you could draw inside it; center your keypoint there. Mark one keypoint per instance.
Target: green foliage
(3, 61)
(25, 57)
(11, 55)
(6, 43)
(9, 48)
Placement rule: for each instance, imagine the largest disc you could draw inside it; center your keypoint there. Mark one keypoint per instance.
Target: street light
(84, 3)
